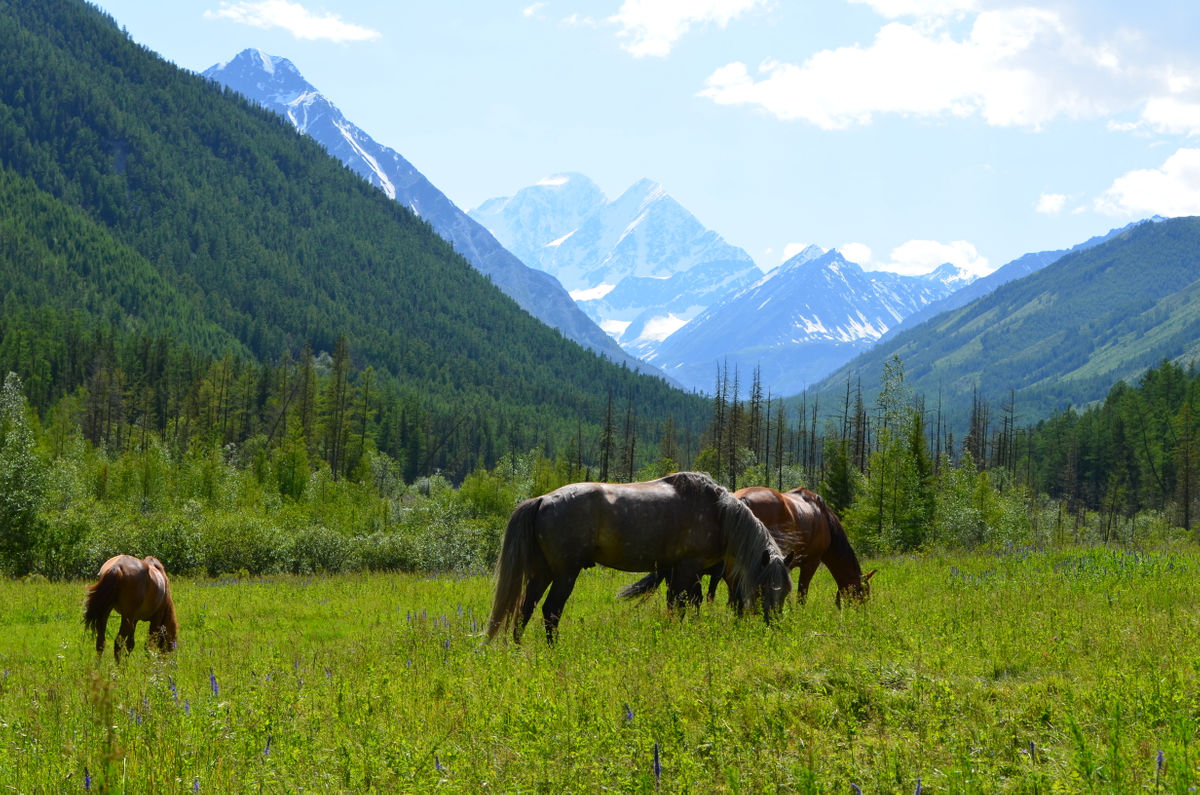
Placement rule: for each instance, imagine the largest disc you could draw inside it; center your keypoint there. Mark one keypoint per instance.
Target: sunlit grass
(1024, 672)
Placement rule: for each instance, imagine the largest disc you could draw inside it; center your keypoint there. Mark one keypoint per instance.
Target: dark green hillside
(143, 199)
(1059, 337)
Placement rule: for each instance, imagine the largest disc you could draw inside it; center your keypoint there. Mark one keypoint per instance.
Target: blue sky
(905, 133)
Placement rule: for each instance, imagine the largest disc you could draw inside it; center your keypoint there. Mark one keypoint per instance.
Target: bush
(176, 539)
(382, 552)
(317, 549)
(234, 542)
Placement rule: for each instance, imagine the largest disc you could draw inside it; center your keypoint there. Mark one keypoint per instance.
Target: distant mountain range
(641, 265)
(1021, 266)
(675, 294)
(1059, 336)
(638, 268)
(799, 322)
(277, 84)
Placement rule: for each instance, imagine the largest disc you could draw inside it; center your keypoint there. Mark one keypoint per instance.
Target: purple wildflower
(196, 784)
(657, 766)
(87, 780)
(212, 680)
(917, 791)
(187, 707)
(857, 789)
(267, 750)
(1161, 762)
(628, 714)
(437, 764)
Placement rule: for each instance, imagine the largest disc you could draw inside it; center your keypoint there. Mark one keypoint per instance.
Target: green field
(1070, 671)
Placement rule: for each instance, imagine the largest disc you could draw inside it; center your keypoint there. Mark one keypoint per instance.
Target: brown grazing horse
(682, 524)
(807, 531)
(139, 591)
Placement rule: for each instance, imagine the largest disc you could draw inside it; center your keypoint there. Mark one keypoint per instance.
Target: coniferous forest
(225, 349)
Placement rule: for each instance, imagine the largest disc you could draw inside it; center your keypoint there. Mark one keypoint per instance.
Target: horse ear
(869, 575)
(787, 561)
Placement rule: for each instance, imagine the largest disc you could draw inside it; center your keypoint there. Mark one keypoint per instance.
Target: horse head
(856, 592)
(775, 582)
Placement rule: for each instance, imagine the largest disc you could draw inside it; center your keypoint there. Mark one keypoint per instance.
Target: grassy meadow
(1067, 671)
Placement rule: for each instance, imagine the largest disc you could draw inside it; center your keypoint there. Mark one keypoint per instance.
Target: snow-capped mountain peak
(797, 323)
(277, 84)
(640, 265)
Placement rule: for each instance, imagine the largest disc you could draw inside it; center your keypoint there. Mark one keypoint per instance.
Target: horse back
(628, 526)
(140, 586)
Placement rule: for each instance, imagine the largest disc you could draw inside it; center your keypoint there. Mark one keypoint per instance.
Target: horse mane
(695, 484)
(746, 538)
(839, 542)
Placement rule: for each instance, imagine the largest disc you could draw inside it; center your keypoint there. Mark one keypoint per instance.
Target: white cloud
(1172, 115)
(294, 18)
(1051, 203)
(792, 249)
(652, 27)
(920, 8)
(917, 257)
(858, 253)
(1016, 67)
(1171, 190)
(534, 10)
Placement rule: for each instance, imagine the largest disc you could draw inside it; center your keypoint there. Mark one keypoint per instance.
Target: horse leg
(101, 631)
(684, 588)
(560, 590)
(715, 575)
(124, 636)
(537, 585)
(808, 567)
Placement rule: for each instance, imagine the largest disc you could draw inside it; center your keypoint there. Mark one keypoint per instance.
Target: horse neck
(840, 558)
(166, 615)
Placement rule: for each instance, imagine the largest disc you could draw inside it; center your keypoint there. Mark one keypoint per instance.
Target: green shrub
(233, 542)
(317, 549)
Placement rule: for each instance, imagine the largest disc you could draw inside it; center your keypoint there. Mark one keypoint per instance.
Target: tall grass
(1027, 672)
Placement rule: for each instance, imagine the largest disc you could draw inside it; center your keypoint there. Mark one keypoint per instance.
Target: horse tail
(512, 565)
(643, 587)
(101, 598)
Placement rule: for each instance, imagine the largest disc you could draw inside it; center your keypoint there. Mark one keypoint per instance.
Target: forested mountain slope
(141, 198)
(1060, 336)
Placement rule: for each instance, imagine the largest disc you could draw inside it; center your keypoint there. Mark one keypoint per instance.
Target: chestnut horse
(682, 524)
(807, 531)
(139, 591)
